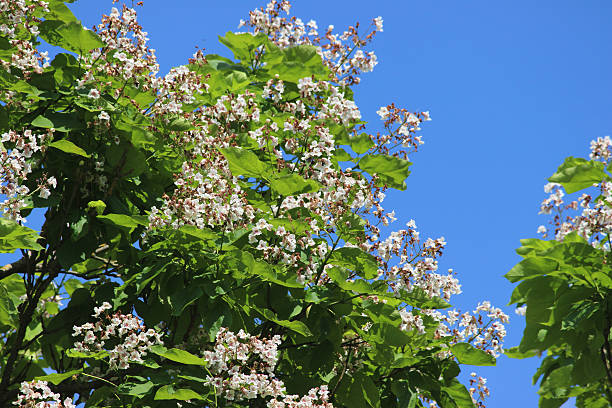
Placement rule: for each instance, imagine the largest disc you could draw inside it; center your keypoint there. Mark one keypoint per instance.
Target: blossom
(133, 338)
(378, 22)
(93, 94)
(37, 394)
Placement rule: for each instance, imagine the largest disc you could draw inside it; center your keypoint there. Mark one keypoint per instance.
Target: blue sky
(513, 88)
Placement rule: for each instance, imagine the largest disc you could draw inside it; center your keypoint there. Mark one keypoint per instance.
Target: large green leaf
(8, 308)
(392, 171)
(459, 394)
(531, 267)
(358, 391)
(68, 147)
(136, 388)
(63, 122)
(178, 355)
(361, 143)
(576, 173)
(357, 260)
(57, 378)
(243, 45)
(292, 184)
(169, 392)
(293, 63)
(123, 221)
(14, 236)
(244, 162)
(468, 354)
(71, 36)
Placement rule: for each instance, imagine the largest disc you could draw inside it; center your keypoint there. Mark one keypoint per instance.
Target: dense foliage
(214, 237)
(565, 287)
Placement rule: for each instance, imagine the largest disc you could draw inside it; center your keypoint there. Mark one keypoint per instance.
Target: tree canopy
(565, 287)
(216, 236)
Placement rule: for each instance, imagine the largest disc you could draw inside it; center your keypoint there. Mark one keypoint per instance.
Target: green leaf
(122, 221)
(417, 297)
(168, 392)
(576, 174)
(57, 378)
(293, 63)
(244, 162)
(98, 206)
(392, 171)
(14, 236)
(362, 143)
(61, 12)
(297, 326)
(468, 354)
(578, 313)
(406, 397)
(514, 352)
(531, 267)
(557, 382)
(178, 355)
(8, 308)
(358, 391)
(459, 394)
(61, 122)
(100, 355)
(183, 298)
(357, 260)
(137, 389)
(71, 36)
(243, 45)
(340, 276)
(68, 147)
(292, 184)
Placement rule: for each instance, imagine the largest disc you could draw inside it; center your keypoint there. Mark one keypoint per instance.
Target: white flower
(94, 94)
(378, 22)
(383, 112)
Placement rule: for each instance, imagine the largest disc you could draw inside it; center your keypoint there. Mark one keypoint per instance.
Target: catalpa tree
(565, 289)
(215, 237)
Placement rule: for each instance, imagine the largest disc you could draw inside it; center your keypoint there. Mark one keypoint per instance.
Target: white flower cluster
(336, 50)
(417, 265)
(15, 166)
(483, 328)
(232, 378)
(37, 394)
(478, 390)
(19, 24)
(316, 398)
(411, 321)
(130, 337)
(126, 54)
(601, 149)
(242, 368)
(594, 221)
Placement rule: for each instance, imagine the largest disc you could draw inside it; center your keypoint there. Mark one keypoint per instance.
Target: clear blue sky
(513, 88)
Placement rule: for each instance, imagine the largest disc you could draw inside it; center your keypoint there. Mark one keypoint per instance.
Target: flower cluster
(15, 166)
(233, 378)
(483, 327)
(37, 394)
(126, 55)
(341, 53)
(19, 24)
(594, 220)
(401, 126)
(316, 398)
(478, 390)
(130, 337)
(242, 368)
(417, 264)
